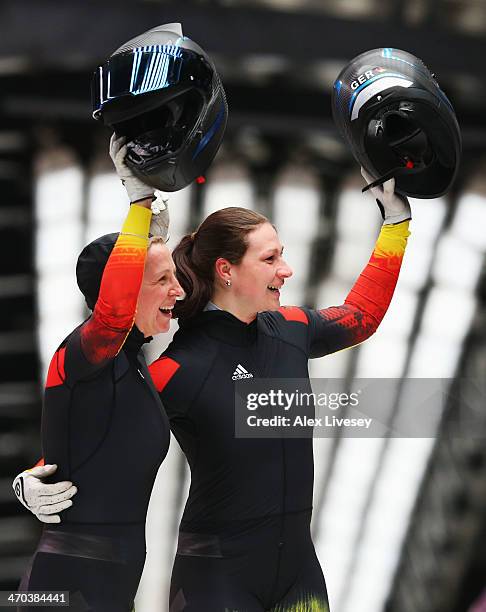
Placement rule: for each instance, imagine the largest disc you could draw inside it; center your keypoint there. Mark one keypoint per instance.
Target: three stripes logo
(240, 373)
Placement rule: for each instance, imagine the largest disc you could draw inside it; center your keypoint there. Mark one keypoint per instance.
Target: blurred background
(399, 524)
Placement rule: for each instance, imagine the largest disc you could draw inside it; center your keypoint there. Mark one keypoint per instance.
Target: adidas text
(241, 372)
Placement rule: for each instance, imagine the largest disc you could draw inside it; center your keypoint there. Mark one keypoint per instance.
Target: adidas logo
(240, 373)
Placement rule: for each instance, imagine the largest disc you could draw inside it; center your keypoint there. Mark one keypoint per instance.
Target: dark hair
(222, 234)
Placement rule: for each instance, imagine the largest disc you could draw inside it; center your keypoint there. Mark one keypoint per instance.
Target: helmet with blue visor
(162, 91)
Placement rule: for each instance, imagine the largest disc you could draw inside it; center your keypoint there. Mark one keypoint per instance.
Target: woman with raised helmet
(101, 409)
(161, 94)
(244, 540)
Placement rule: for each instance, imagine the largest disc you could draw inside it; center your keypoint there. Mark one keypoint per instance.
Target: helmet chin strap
(382, 179)
(409, 165)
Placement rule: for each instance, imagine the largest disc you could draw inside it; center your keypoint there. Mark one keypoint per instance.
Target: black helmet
(91, 265)
(163, 93)
(398, 122)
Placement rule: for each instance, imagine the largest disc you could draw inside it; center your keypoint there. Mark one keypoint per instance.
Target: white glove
(159, 226)
(394, 207)
(136, 189)
(43, 500)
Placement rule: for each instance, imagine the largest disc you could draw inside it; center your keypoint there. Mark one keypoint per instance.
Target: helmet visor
(146, 69)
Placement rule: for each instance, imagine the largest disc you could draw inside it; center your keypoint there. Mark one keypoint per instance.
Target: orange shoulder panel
(162, 370)
(55, 374)
(293, 313)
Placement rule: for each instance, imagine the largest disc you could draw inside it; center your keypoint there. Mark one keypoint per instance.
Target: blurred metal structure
(19, 389)
(442, 564)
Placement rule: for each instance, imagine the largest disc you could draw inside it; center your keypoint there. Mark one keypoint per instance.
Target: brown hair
(222, 234)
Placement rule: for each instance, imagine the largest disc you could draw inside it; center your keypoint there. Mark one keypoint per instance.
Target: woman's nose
(285, 271)
(177, 290)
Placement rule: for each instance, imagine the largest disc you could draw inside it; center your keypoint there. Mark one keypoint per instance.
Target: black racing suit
(244, 541)
(104, 426)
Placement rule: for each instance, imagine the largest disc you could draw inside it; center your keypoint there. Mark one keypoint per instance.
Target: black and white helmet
(398, 122)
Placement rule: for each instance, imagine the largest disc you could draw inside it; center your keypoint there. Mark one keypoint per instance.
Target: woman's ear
(222, 269)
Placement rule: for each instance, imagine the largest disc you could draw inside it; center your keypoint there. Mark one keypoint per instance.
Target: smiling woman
(233, 247)
(99, 398)
(159, 290)
(257, 278)
(244, 539)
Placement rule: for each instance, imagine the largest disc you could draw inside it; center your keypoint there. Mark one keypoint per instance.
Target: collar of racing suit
(223, 326)
(135, 340)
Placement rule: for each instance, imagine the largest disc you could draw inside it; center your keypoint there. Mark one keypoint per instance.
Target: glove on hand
(43, 500)
(159, 226)
(394, 208)
(136, 189)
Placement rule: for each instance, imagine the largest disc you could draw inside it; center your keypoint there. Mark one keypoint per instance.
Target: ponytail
(197, 289)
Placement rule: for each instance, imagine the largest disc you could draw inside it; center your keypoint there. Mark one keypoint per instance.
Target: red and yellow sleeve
(367, 302)
(373, 291)
(103, 335)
